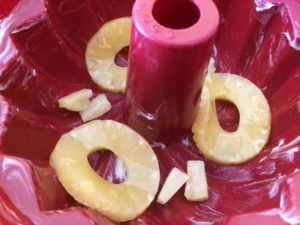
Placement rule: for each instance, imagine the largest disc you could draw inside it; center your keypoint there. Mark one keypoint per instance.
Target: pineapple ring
(101, 51)
(255, 120)
(119, 202)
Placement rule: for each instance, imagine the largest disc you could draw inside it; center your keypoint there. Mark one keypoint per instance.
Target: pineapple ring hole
(228, 115)
(108, 166)
(121, 58)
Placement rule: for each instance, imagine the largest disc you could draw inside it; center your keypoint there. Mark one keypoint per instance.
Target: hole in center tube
(176, 14)
(107, 165)
(121, 58)
(228, 115)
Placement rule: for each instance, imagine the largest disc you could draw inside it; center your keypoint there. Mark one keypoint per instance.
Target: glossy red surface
(166, 66)
(41, 59)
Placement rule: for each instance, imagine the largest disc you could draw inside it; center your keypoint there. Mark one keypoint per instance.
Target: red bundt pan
(42, 49)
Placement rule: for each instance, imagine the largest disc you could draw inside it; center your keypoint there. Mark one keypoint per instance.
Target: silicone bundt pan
(42, 46)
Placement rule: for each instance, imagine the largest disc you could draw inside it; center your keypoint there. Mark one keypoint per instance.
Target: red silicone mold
(42, 48)
(165, 62)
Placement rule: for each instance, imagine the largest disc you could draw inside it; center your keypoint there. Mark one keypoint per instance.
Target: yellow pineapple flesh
(76, 101)
(254, 126)
(119, 202)
(100, 54)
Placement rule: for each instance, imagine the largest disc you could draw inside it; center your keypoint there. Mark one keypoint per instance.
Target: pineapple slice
(98, 106)
(255, 120)
(196, 185)
(76, 101)
(101, 51)
(175, 180)
(119, 202)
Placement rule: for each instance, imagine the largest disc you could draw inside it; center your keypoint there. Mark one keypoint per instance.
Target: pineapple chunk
(101, 51)
(120, 202)
(255, 120)
(196, 185)
(76, 101)
(98, 106)
(175, 180)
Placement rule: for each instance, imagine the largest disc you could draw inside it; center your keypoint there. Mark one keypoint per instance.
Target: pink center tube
(170, 48)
